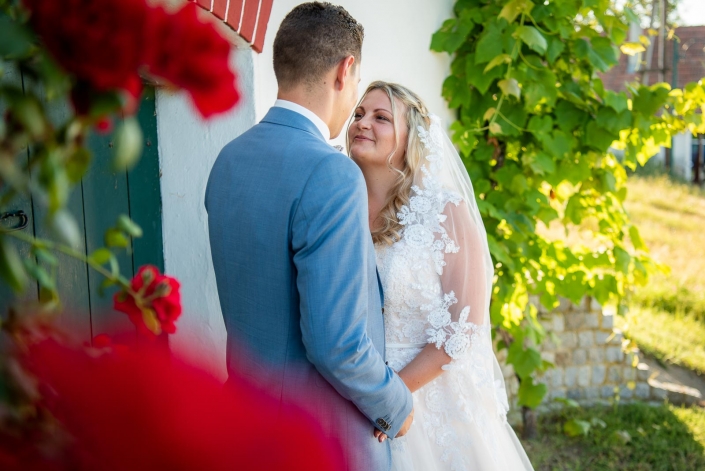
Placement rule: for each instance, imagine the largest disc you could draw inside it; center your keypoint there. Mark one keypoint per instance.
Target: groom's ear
(346, 71)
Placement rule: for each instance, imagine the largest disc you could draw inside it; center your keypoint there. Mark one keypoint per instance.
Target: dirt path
(676, 376)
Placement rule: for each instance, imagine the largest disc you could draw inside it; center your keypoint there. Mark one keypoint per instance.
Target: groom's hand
(379, 435)
(407, 425)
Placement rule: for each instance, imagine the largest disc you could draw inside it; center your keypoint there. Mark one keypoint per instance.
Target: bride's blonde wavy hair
(416, 115)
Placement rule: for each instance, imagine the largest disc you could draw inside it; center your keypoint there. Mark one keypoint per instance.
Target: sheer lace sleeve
(458, 317)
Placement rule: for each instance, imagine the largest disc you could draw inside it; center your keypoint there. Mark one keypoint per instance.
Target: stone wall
(590, 364)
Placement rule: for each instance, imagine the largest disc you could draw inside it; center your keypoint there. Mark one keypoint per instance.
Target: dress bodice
(410, 281)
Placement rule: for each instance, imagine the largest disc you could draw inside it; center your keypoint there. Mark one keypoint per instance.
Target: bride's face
(371, 134)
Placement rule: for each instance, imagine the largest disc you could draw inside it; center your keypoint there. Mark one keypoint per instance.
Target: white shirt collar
(306, 113)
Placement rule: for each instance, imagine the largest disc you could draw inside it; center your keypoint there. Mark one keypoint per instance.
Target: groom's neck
(317, 101)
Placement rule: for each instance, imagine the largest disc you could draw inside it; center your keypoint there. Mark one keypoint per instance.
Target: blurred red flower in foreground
(105, 45)
(145, 411)
(153, 304)
(193, 56)
(100, 42)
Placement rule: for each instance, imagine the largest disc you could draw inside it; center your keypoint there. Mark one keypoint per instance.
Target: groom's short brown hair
(312, 39)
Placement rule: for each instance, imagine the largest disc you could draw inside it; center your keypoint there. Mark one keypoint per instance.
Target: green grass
(670, 338)
(660, 438)
(667, 316)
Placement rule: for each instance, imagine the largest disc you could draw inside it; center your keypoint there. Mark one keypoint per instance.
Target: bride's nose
(363, 123)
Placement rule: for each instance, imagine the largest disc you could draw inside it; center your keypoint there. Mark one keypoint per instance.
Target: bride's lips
(362, 138)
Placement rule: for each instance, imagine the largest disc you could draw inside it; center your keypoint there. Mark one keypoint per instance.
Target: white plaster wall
(396, 48)
(188, 147)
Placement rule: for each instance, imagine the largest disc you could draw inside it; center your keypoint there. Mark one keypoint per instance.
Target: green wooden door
(102, 195)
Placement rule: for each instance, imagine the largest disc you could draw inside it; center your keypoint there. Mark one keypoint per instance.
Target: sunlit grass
(636, 437)
(671, 338)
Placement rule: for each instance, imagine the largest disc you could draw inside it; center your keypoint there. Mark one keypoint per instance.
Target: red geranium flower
(102, 43)
(153, 304)
(192, 55)
(147, 411)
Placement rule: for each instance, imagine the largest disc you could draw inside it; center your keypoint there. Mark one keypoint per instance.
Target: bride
(436, 271)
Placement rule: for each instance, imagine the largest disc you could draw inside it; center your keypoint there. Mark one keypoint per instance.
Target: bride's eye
(384, 118)
(357, 116)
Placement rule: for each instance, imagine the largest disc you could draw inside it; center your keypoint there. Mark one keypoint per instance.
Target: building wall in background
(396, 48)
(188, 148)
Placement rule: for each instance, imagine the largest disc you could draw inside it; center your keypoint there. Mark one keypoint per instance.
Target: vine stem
(508, 121)
(506, 76)
(71, 252)
(536, 25)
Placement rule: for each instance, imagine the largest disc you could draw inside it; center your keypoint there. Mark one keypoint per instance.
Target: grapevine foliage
(538, 132)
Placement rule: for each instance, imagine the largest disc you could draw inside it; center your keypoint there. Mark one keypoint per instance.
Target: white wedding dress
(437, 284)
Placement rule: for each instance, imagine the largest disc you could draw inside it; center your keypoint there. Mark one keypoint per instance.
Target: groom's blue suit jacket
(297, 280)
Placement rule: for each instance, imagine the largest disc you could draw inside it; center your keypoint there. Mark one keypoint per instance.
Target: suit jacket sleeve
(331, 245)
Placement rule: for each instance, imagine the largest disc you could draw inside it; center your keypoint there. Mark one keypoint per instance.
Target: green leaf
(599, 137)
(488, 114)
(116, 238)
(636, 239)
(477, 78)
(64, 226)
(28, 111)
(623, 259)
(11, 266)
(568, 116)
(621, 436)
(46, 257)
(16, 40)
(557, 143)
(500, 59)
(599, 53)
(617, 101)
(126, 224)
(512, 9)
(456, 92)
(631, 16)
(101, 256)
(530, 394)
(555, 49)
(452, 33)
(490, 44)
(495, 128)
(513, 117)
(524, 360)
(128, 144)
(532, 38)
(606, 51)
(542, 164)
(77, 164)
(632, 49)
(39, 274)
(541, 90)
(576, 427)
(567, 402)
(510, 87)
(105, 284)
(540, 124)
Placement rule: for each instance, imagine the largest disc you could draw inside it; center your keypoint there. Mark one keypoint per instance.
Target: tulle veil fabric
(438, 284)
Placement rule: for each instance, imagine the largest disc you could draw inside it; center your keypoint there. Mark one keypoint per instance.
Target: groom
(293, 257)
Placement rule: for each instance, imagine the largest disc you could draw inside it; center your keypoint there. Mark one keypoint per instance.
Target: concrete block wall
(590, 364)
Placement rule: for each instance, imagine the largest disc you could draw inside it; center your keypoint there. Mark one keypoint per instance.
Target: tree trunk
(531, 429)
